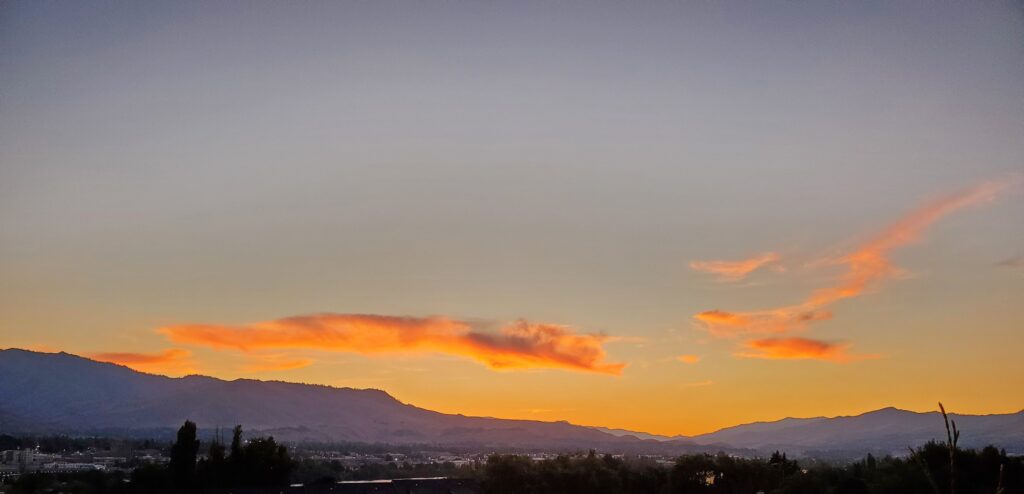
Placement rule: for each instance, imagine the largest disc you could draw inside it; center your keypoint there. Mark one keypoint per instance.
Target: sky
(669, 217)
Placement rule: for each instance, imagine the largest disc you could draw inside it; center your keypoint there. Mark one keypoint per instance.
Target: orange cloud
(735, 270)
(783, 319)
(521, 345)
(173, 361)
(697, 384)
(688, 359)
(800, 349)
(870, 263)
(865, 267)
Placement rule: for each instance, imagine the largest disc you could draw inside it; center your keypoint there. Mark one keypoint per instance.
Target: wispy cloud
(697, 384)
(1013, 262)
(736, 270)
(548, 410)
(520, 345)
(724, 324)
(800, 349)
(870, 262)
(865, 268)
(688, 359)
(274, 362)
(173, 361)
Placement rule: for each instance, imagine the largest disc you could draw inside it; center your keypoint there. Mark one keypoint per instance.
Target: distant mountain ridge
(888, 430)
(641, 435)
(66, 393)
(63, 393)
(885, 431)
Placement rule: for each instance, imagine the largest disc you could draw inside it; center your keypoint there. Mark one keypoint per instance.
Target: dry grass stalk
(952, 436)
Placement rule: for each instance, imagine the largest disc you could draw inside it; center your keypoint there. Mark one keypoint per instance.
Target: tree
(509, 474)
(213, 470)
(236, 443)
(183, 456)
(266, 463)
(693, 473)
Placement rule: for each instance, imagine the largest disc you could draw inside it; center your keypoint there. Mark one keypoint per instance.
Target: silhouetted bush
(977, 473)
(261, 463)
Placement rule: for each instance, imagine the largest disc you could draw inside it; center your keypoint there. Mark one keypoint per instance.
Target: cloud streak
(1013, 262)
(275, 362)
(697, 384)
(870, 262)
(520, 345)
(175, 361)
(800, 349)
(865, 268)
(688, 359)
(725, 324)
(735, 270)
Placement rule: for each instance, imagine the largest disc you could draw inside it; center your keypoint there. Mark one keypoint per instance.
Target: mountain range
(885, 431)
(49, 393)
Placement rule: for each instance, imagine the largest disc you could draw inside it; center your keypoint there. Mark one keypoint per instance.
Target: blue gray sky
(178, 163)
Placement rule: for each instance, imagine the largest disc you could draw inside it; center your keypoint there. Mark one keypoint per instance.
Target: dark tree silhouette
(236, 460)
(183, 456)
(265, 463)
(213, 470)
(236, 442)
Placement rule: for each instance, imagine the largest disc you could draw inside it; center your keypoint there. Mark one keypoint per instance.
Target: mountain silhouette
(49, 393)
(888, 430)
(59, 392)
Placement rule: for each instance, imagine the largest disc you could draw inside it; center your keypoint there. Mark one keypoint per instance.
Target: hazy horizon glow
(663, 217)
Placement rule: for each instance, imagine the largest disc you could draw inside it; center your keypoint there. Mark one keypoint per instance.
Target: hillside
(63, 393)
(67, 393)
(888, 430)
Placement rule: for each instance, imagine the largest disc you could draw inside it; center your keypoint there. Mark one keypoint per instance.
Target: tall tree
(183, 456)
(236, 462)
(236, 443)
(213, 470)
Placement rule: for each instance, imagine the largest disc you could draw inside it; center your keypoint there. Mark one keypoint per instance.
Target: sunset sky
(661, 216)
